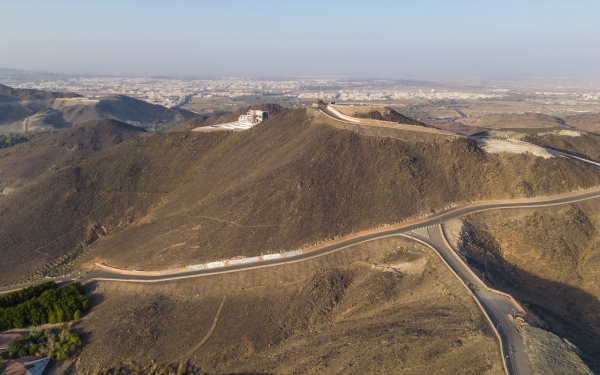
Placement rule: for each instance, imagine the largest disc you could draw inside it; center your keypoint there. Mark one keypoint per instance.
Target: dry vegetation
(334, 314)
(548, 258)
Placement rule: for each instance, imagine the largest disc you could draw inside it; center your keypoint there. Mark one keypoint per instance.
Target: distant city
(176, 92)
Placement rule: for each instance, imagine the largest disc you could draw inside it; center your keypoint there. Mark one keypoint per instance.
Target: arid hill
(23, 163)
(548, 258)
(172, 199)
(22, 110)
(378, 113)
(9, 94)
(586, 145)
(588, 121)
(17, 104)
(125, 109)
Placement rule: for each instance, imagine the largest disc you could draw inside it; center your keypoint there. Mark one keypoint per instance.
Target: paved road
(337, 245)
(497, 307)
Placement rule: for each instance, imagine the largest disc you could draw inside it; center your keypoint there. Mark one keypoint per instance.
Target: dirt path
(210, 331)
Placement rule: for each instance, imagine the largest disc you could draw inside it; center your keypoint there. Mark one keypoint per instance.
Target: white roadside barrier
(271, 256)
(292, 253)
(215, 264)
(232, 262)
(196, 267)
(252, 259)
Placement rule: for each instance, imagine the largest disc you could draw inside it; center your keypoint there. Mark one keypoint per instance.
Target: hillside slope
(172, 199)
(17, 104)
(376, 112)
(585, 145)
(589, 121)
(9, 94)
(126, 109)
(548, 258)
(24, 162)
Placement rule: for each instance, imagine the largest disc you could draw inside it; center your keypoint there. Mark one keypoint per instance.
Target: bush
(60, 344)
(51, 306)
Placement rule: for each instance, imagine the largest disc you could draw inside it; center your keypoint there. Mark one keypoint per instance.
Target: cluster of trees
(42, 304)
(23, 295)
(60, 344)
(11, 139)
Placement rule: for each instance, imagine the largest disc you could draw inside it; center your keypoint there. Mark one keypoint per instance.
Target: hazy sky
(401, 39)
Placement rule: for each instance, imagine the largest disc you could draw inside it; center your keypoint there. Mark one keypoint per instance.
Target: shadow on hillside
(569, 312)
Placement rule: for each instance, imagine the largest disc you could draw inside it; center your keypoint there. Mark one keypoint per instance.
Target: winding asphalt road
(496, 306)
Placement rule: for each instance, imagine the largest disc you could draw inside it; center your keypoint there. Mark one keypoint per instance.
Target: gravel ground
(549, 354)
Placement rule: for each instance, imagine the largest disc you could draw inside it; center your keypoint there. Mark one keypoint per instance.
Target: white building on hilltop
(244, 122)
(254, 116)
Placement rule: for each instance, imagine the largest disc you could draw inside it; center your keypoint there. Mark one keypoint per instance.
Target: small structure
(254, 116)
(26, 366)
(244, 122)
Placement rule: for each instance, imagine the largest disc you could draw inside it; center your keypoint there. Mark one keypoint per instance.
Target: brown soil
(548, 354)
(172, 199)
(550, 259)
(335, 314)
(586, 146)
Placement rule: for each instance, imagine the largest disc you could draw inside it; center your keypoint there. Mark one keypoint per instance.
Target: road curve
(496, 306)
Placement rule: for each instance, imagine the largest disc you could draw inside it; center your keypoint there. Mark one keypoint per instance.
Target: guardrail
(514, 301)
(201, 266)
